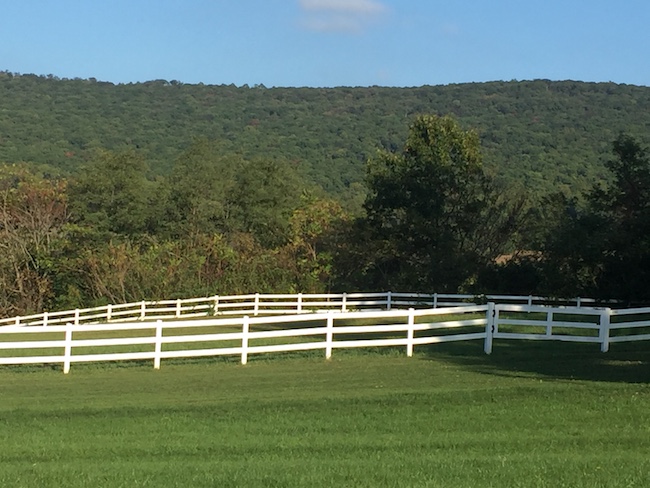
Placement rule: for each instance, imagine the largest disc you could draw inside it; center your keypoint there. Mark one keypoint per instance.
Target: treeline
(434, 219)
(217, 224)
(543, 135)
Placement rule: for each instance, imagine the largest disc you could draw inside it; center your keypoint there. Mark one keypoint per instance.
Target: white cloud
(351, 16)
(333, 23)
(355, 6)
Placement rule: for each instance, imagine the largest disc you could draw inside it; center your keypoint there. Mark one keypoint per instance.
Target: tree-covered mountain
(542, 134)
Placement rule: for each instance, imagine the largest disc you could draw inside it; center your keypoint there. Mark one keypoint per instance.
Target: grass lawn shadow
(625, 363)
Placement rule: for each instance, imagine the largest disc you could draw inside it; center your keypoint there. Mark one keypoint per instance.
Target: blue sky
(328, 42)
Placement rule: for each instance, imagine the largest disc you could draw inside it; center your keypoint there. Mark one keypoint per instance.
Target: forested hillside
(545, 135)
(118, 193)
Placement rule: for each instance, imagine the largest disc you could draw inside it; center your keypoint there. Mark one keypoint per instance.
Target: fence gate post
(410, 333)
(244, 340)
(329, 335)
(67, 354)
(603, 336)
(490, 326)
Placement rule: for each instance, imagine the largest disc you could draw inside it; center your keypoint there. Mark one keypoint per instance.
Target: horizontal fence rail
(241, 336)
(271, 304)
(328, 330)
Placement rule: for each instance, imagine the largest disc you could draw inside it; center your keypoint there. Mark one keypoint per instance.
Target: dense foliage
(546, 135)
(159, 190)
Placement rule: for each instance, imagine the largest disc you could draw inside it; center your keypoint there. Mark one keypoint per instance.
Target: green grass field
(532, 414)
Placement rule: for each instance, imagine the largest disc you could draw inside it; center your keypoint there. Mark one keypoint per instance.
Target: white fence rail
(243, 336)
(258, 304)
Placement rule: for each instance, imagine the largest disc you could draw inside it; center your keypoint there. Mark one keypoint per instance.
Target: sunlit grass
(529, 415)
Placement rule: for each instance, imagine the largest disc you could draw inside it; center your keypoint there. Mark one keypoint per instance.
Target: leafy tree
(33, 217)
(427, 210)
(261, 202)
(113, 194)
(316, 233)
(604, 249)
(198, 189)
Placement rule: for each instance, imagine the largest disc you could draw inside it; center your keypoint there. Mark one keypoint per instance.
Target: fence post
(143, 310)
(67, 353)
(549, 324)
(215, 307)
(490, 327)
(329, 335)
(109, 312)
(158, 346)
(299, 303)
(76, 317)
(410, 333)
(344, 303)
(435, 300)
(256, 309)
(389, 299)
(178, 308)
(244, 340)
(44, 319)
(603, 336)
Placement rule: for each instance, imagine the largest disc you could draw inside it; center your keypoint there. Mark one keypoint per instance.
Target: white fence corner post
(389, 299)
(410, 333)
(244, 339)
(158, 345)
(605, 320)
(490, 327)
(67, 354)
(329, 335)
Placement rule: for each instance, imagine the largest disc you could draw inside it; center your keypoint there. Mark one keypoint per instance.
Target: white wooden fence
(257, 304)
(243, 336)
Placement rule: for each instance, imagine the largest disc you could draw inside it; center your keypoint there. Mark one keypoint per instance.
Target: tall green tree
(114, 195)
(262, 200)
(431, 210)
(198, 188)
(604, 249)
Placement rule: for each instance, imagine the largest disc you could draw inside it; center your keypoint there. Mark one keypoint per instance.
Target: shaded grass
(451, 416)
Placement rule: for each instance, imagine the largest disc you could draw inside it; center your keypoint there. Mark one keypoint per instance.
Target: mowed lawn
(529, 415)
